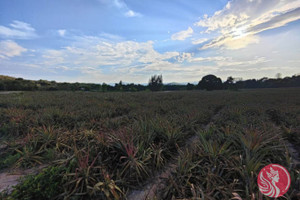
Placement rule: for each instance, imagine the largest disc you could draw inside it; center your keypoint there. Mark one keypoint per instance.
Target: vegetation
(46, 185)
(104, 145)
(155, 83)
(209, 82)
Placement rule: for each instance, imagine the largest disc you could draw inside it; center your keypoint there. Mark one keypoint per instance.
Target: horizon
(236, 79)
(107, 41)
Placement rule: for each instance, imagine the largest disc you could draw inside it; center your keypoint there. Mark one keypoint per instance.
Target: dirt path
(10, 92)
(149, 191)
(294, 151)
(292, 148)
(11, 178)
(294, 154)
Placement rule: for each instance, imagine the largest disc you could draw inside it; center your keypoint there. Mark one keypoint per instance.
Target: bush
(46, 185)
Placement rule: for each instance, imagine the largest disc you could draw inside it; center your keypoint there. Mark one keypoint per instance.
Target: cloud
(90, 53)
(184, 57)
(208, 59)
(9, 48)
(239, 22)
(120, 4)
(97, 59)
(182, 35)
(18, 30)
(229, 61)
(276, 21)
(21, 26)
(131, 13)
(231, 42)
(221, 61)
(199, 41)
(225, 22)
(242, 42)
(61, 32)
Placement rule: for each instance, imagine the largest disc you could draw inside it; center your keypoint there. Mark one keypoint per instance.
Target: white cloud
(9, 48)
(184, 57)
(61, 32)
(240, 20)
(233, 43)
(225, 22)
(18, 30)
(182, 35)
(120, 4)
(199, 41)
(95, 59)
(208, 59)
(21, 26)
(91, 57)
(64, 68)
(222, 61)
(229, 61)
(53, 57)
(131, 13)
(239, 43)
(275, 21)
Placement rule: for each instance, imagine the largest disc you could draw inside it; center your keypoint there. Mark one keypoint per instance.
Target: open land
(146, 145)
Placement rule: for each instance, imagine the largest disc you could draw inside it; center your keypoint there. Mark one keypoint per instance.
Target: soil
(10, 92)
(11, 178)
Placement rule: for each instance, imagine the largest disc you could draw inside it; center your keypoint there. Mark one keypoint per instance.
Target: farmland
(95, 145)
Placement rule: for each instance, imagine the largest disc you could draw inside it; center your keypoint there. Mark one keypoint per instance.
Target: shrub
(46, 185)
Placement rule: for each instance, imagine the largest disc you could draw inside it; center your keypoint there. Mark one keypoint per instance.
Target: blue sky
(111, 40)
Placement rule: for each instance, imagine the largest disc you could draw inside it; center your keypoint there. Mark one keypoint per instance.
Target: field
(155, 145)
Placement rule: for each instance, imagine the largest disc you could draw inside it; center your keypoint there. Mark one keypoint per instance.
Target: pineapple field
(147, 145)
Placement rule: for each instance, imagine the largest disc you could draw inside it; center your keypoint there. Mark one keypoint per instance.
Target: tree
(210, 82)
(189, 86)
(229, 80)
(2, 86)
(229, 83)
(104, 87)
(119, 87)
(155, 83)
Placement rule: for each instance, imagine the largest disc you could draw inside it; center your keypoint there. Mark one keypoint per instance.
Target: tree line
(209, 82)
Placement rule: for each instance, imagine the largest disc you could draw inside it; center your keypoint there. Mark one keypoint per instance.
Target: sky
(96, 41)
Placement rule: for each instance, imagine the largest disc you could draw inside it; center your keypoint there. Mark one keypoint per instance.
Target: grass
(102, 145)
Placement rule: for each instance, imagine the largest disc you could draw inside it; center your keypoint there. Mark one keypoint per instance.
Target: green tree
(2, 86)
(190, 86)
(104, 87)
(210, 82)
(119, 87)
(155, 83)
(229, 84)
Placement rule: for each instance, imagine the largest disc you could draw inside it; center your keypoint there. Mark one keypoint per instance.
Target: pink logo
(273, 180)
